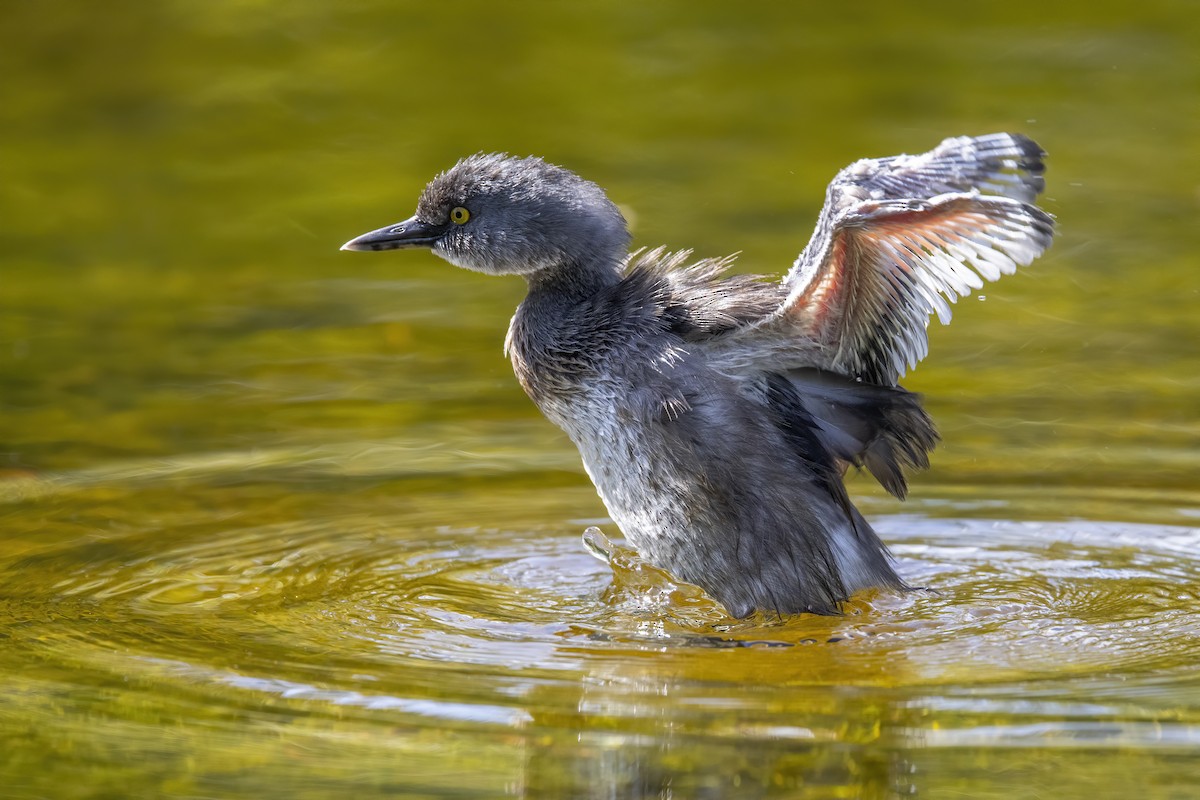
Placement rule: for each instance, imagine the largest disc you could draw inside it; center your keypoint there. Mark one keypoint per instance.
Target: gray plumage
(717, 414)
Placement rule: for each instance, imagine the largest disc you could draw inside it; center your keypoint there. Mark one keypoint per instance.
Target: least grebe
(717, 414)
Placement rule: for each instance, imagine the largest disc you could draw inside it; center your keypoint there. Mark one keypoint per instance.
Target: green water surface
(276, 520)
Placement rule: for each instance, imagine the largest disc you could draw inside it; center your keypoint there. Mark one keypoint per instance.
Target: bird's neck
(573, 282)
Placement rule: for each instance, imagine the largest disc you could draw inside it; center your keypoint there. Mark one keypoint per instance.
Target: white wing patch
(889, 252)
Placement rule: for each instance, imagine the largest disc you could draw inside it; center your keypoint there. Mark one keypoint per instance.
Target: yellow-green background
(275, 520)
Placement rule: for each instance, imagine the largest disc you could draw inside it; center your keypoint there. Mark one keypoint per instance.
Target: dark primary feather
(883, 429)
(1004, 164)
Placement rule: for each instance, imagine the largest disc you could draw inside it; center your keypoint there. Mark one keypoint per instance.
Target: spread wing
(901, 236)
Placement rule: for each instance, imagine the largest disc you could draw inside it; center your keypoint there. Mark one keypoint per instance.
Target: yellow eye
(459, 215)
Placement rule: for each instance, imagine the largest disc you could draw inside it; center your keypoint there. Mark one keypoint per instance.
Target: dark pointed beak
(410, 233)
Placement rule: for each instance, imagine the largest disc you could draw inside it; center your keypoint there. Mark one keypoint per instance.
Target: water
(278, 521)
